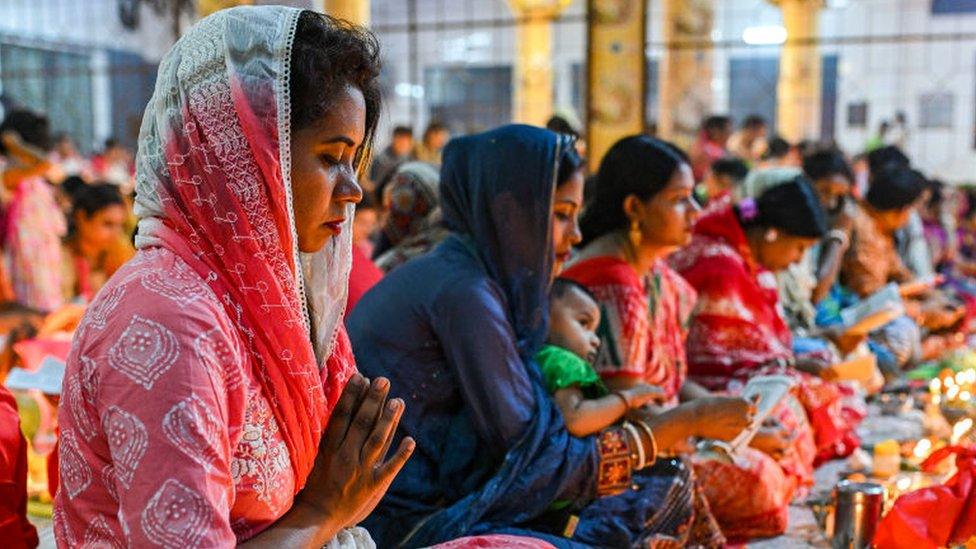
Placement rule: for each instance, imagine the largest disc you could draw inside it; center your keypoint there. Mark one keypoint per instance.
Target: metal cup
(857, 511)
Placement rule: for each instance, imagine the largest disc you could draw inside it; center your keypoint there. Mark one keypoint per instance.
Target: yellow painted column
(616, 73)
(800, 72)
(354, 11)
(533, 89)
(206, 7)
(685, 83)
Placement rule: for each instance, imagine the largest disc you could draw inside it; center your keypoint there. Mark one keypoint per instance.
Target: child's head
(573, 319)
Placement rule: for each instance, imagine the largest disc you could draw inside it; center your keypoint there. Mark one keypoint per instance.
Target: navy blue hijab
(497, 189)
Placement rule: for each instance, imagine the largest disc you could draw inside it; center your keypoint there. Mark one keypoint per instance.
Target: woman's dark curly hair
(329, 54)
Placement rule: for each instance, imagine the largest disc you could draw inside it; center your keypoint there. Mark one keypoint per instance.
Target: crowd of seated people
(551, 367)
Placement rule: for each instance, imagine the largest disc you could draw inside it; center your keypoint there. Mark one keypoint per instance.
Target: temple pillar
(800, 72)
(616, 73)
(533, 85)
(685, 83)
(354, 11)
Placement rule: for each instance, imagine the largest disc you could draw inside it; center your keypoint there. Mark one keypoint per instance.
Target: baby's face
(573, 321)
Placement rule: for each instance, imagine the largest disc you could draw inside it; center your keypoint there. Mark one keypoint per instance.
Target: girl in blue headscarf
(455, 331)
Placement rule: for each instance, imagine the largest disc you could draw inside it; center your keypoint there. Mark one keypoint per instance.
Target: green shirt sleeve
(562, 369)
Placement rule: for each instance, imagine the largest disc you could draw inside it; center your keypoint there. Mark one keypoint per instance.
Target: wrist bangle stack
(641, 457)
(650, 435)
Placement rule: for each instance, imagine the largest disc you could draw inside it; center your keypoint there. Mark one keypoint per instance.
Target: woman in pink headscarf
(211, 395)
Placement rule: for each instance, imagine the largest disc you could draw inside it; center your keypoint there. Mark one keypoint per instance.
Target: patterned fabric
(666, 309)
(738, 332)
(749, 497)
(195, 397)
(644, 321)
(563, 369)
(32, 248)
(871, 260)
(616, 467)
(495, 542)
(737, 325)
(666, 499)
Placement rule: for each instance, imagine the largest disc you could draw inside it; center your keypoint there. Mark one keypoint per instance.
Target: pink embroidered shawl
(198, 387)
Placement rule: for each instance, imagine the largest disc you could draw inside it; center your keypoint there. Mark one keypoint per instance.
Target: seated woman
(33, 223)
(738, 331)
(95, 246)
(413, 216)
(456, 331)
(642, 212)
(211, 396)
(872, 261)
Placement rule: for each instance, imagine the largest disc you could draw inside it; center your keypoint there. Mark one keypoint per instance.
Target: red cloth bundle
(749, 498)
(937, 516)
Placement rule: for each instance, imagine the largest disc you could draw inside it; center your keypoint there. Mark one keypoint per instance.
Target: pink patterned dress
(32, 245)
(205, 371)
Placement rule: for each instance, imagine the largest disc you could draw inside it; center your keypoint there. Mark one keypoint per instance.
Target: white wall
(889, 75)
(85, 23)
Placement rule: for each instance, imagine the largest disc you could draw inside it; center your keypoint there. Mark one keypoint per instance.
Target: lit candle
(960, 429)
(922, 449)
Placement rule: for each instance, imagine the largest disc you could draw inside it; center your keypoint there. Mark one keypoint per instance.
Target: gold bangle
(650, 434)
(635, 435)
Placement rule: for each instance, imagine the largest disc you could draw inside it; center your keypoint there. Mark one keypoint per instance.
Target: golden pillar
(206, 7)
(685, 87)
(800, 73)
(616, 73)
(354, 11)
(532, 93)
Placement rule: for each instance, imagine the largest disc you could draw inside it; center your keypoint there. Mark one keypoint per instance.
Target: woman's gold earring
(772, 235)
(636, 236)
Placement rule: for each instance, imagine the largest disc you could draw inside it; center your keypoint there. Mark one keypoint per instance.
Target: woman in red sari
(643, 211)
(211, 397)
(738, 331)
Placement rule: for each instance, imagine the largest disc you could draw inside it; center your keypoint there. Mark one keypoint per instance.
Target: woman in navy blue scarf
(455, 332)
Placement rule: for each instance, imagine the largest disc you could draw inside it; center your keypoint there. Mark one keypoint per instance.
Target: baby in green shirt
(587, 406)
